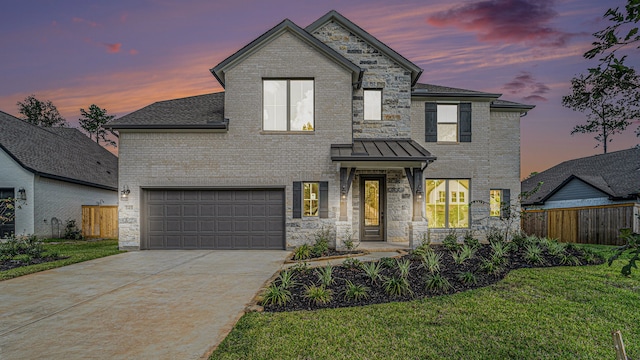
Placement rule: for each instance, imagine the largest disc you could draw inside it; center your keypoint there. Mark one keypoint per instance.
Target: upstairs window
(288, 105)
(372, 104)
(447, 123)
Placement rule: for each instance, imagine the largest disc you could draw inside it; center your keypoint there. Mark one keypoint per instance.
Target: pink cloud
(83, 21)
(113, 48)
(123, 17)
(511, 21)
(524, 83)
(133, 52)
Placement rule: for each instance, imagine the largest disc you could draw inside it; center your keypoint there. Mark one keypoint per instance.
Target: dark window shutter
(324, 199)
(465, 122)
(297, 199)
(430, 122)
(505, 211)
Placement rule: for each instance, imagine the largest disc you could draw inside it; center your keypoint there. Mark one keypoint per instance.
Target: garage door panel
(173, 210)
(214, 219)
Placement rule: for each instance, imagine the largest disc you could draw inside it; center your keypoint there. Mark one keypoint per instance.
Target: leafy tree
(93, 122)
(40, 113)
(610, 98)
(621, 34)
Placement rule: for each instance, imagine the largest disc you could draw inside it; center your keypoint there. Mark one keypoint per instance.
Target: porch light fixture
(419, 193)
(124, 194)
(22, 194)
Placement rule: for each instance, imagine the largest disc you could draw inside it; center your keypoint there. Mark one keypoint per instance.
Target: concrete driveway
(136, 305)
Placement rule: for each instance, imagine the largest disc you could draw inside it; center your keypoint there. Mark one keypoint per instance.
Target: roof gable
(617, 174)
(285, 26)
(59, 153)
(335, 16)
(575, 188)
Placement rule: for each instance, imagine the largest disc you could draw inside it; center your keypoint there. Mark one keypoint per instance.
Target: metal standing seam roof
(616, 174)
(381, 150)
(59, 153)
(430, 90)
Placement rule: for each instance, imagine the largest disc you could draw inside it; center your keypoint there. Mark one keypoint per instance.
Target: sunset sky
(124, 55)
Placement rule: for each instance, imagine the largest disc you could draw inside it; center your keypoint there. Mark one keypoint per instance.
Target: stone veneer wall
(381, 72)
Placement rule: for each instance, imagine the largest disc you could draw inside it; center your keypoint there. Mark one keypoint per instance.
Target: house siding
(246, 156)
(491, 160)
(575, 190)
(381, 72)
(12, 175)
(63, 200)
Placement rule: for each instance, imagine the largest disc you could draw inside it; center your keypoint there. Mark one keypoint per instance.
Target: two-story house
(318, 127)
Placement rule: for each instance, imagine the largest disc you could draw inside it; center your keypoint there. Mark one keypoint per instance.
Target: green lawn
(550, 313)
(77, 251)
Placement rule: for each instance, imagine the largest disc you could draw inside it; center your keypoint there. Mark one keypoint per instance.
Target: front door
(372, 207)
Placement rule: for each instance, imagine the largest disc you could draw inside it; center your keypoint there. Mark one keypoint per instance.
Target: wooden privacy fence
(585, 225)
(100, 221)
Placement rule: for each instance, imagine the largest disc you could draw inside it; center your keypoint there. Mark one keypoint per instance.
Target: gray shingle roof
(201, 112)
(430, 90)
(617, 174)
(381, 150)
(59, 153)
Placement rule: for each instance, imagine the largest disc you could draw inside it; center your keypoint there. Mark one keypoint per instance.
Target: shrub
(555, 248)
(321, 245)
(275, 295)
(325, 275)
(471, 241)
(355, 292)
(498, 248)
(421, 250)
(467, 277)
(450, 242)
(23, 258)
(287, 279)
(465, 253)
(632, 246)
(352, 263)
(431, 262)
(301, 267)
(490, 267)
(388, 263)
(397, 286)
(302, 252)
(318, 294)
(403, 266)
(22, 245)
(494, 235)
(349, 243)
(437, 282)
(372, 269)
(533, 254)
(566, 259)
(71, 230)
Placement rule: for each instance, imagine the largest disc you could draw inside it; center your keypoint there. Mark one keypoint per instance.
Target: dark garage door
(214, 219)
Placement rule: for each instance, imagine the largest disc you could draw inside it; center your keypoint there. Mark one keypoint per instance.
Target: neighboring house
(53, 172)
(323, 127)
(586, 200)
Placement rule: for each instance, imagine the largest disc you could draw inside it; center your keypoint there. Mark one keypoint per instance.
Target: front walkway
(136, 305)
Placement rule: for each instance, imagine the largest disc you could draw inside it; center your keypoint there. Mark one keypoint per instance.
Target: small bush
(499, 248)
(301, 267)
(467, 277)
(403, 266)
(387, 263)
(71, 231)
(352, 263)
(325, 275)
(465, 253)
(431, 262)
(494, 235)
(555, 248)
(302, 252)
(490, 267)
(23, 258)
(276, 295)
(533, 254)
(437, 282)
(570, 260)
(318, 294)
(349, 243)
(321, 245)
(286, 279)
(421, 250)
(450, 242)
(397, 286)
(355, 292)
(471, 241)
(372, 269)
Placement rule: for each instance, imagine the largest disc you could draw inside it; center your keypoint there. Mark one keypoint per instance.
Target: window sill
(267, 132)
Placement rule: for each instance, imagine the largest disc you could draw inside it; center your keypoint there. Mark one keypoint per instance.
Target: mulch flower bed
(417, 276)
(12, 264)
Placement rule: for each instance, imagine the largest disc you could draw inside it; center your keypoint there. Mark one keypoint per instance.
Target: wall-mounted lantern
(124, 194)
(22, 194)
